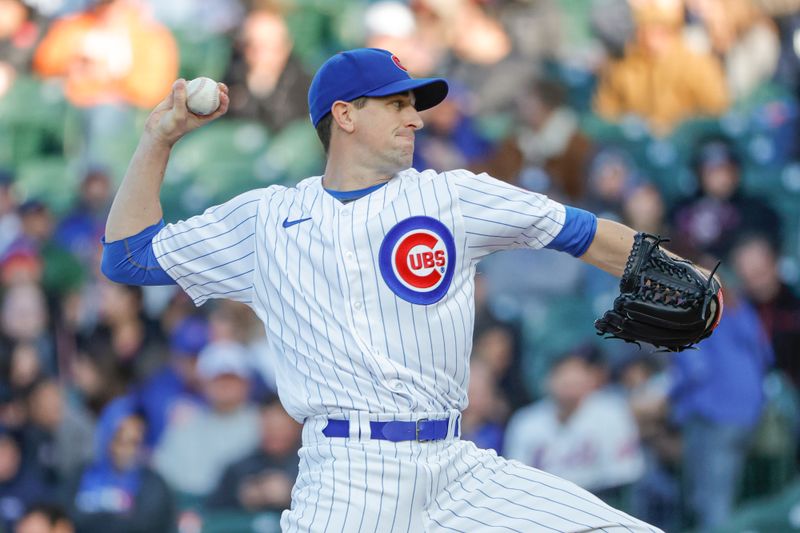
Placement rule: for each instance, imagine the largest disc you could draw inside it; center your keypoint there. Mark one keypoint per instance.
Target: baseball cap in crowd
(588, 353)
(368, 72)
(189, 336)
(715, 153)
(389, 18)
(33, 205)
(223, 357)
(6, 177)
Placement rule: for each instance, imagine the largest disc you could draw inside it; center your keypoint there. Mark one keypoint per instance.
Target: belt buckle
(417, 438)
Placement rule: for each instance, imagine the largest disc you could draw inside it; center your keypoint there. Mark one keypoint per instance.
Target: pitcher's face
(387, 126)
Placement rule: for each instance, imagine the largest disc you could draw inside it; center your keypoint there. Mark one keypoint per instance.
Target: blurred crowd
(123, 409)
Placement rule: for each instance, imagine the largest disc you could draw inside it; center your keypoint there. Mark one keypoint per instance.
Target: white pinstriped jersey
(369, 304)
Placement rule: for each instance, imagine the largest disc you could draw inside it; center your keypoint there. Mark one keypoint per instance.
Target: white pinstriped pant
(356, 484)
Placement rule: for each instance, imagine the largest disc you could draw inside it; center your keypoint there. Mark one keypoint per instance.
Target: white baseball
(202, 96)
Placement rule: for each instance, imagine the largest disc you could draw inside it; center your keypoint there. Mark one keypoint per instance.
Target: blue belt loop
(364, 426)
(454, 426)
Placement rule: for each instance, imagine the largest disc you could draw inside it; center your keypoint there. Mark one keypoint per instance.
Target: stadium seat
(211, 165)
(293, 153)
(228, 157)
(32, 117)
(320, 28)
(49, 179)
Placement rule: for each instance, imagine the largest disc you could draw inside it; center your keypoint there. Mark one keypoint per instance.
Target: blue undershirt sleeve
(577, 233)
(131, 260)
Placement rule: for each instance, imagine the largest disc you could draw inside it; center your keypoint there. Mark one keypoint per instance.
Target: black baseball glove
(664, 301)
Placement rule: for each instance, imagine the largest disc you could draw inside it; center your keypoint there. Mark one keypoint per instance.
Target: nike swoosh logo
(288, 224)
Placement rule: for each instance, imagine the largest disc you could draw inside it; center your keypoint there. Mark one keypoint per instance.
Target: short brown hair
(325, 125)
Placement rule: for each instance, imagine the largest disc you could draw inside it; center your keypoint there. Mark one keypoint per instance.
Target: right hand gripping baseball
(171, 119)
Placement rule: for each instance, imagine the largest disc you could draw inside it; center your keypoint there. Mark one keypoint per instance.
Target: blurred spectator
(26, 367)
(20, 266)
(755, 260)
(111, 57)
(109, 54)
(745, 39)
(481, 420)
(497, 343)
(476, 36)
(234, 321)
(58, 437)
(137, 342)
(578, 431)
(637, 372)
(717, 398)
(656, 496)
(264, 479)
(228, 429)
(117, 491)
(45, 519)
(450, 139)
(788, 21)
(95, 373)
(660, 78)
(10, 224)
(721, 209)
(24, 322)
(19, 32)
(547, 139)
(480, 53)
(175, 388)
(37, 223)
(267, 82)
(36, 258)
(612, 23)
(79, 231)
(644, 210)
(613, 176)
(777, 8)
(391, 25)
(21, 262)
(20, 485)
(535, 28)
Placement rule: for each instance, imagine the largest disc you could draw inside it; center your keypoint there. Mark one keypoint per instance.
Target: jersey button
(357, 305)
(349, 256)
(396, 385)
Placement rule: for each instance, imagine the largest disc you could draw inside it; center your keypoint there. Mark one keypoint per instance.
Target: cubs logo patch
(417, 259)
(398, 63)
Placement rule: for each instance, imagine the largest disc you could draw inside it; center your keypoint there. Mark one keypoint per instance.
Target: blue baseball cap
(368, 72)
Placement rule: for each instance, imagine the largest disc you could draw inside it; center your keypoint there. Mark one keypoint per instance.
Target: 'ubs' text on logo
(417, 259)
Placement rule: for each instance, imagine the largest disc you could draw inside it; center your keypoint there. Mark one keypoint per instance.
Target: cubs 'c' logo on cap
(398, 63)
(417, 259)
